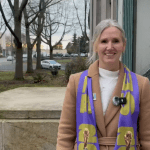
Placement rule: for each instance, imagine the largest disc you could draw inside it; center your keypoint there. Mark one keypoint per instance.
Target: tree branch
(44, 41)
(34, 18)
(23, 5)
(3, 15)
(12, 7)
(62, 35)
(54, 3)
(78, 17)
(3, 32)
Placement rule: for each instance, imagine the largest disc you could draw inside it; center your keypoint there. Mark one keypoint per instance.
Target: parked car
(74, 55)
(82, 55)
(50, 64)
(10, 58)
(57, 55)
(66, 55)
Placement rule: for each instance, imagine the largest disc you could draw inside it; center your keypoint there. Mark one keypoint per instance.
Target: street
(10, 66)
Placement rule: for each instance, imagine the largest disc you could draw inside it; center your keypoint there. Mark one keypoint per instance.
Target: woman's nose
(109, 45)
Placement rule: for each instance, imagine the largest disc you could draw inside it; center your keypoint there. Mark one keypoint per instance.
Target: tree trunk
(17, 14)
(19, 64)
(19, 52)
(40, 28)
(38, 50)
(29, 60)
(51, 52)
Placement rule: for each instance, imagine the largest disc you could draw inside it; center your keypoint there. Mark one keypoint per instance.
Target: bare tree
(30, 18)
(3, 26)
(55, 20)
(17, 14)
(84, 32)
(39, 28)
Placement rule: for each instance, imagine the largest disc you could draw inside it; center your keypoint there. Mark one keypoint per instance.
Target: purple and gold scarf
(85, 113)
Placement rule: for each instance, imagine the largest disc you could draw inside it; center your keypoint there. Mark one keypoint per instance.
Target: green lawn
(6, 76)
(7, 81)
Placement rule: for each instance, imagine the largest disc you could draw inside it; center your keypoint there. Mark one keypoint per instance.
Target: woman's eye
(103, 41)
(116, 41)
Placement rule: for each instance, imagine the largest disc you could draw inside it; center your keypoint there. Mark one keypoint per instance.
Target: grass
(7, 81)
(6, 76)
(63, 60)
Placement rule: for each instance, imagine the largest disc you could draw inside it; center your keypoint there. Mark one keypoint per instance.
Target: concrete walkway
(29, 118)
(32, 99)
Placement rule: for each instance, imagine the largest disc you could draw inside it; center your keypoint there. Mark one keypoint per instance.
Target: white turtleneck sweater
(108, 80)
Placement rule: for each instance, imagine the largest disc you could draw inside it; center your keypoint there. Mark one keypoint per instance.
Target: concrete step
(29, 118)
(40, 134)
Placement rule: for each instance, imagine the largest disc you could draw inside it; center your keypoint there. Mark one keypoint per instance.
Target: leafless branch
(5, 28)
(6, 22)
(11, 6)
(3, 33)
(78, 17)
(83, 32)
(54, 3)
(23, 5)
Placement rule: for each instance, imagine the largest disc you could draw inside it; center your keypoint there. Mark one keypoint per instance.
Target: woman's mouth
(110, 54)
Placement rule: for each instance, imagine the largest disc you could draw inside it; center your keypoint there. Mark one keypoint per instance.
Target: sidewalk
(33, 98)
(29, 117)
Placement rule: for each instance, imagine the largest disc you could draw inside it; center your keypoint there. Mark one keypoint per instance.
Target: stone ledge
(28, 134)
(33, 98)
(43, 114)
(1, 140)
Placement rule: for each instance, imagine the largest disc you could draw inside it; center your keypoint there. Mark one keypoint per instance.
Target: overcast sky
(68, 37)
(72, 14)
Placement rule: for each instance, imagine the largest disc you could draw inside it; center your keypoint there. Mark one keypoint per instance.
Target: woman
(90, 106)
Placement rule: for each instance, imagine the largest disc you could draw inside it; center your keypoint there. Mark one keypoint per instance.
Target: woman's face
(110, 47)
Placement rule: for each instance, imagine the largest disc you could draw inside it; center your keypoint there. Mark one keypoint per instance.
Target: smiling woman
(109, 48)
(91, 97)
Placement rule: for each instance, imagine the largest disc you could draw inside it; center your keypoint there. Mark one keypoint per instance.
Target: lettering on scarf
(126, 110)
(84, 85)
(127, 86)
(130, 101)
(86, 114)
(83, 106)
(92, 136)
(85, 99)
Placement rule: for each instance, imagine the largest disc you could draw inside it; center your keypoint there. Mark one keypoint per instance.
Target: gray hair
(98, 31)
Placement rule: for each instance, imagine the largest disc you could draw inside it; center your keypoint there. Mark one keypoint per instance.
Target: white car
(82, 55)
(50, 64)
(10, 58)
(74, 55)
(66, 55)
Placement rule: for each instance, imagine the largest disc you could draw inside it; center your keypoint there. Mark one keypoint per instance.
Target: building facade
(132, 15)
